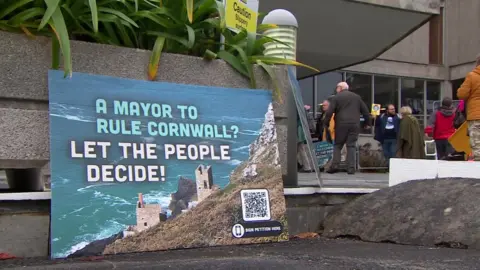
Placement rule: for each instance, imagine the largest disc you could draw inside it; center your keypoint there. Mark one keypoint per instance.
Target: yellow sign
(460, 141)
(241, 14)
(376, 109)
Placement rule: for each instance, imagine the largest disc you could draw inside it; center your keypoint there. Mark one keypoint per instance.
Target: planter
(24, 89)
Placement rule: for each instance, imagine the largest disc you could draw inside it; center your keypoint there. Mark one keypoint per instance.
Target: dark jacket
(381, 123)
(347, 107)
(441, 123)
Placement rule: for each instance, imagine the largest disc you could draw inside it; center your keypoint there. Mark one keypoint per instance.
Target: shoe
(332, 170)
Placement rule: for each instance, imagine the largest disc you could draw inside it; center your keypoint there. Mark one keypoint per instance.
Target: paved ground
(297, 254)
(344, 180)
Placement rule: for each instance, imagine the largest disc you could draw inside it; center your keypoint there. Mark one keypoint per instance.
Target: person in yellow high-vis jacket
(327, 134)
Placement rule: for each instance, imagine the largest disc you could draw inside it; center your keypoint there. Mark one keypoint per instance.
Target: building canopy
(333, 34)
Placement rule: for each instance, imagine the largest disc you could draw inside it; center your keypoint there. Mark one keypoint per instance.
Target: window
(455, 85)
(362, 85)
(325, 86)
(413, 95)
(433, 96)
(385, 90)
(306, 86)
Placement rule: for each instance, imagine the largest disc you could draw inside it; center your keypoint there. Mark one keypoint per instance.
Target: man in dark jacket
(440, 127)
(347, 107)
(387, 126)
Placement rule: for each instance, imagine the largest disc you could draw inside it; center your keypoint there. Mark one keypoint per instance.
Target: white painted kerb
(403, 170)
(26, 196)
(318, 190)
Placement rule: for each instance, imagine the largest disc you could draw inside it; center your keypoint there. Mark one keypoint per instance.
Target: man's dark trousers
(345, 134)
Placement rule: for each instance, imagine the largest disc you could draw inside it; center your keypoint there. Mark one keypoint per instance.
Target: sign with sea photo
(323, 152)
(297, 95)
(142, 166)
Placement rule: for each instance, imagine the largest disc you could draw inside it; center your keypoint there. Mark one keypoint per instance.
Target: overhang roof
(333, 34)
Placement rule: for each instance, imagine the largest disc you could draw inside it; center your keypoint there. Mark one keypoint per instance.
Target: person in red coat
(440, 127)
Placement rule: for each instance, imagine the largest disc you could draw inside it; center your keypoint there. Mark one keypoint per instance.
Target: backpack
(459, 119)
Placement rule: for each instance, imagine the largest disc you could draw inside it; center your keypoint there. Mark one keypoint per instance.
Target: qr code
(255, 204)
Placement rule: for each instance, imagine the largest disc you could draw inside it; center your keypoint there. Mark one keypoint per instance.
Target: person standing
(411, 143)
(326, 134)
(469, 91)
(386, 130)
(347, 107)
(441, 127)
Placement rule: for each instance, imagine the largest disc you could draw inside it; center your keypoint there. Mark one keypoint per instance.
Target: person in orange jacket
(469, 91)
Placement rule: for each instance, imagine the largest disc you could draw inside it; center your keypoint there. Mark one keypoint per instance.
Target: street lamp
(286, 32)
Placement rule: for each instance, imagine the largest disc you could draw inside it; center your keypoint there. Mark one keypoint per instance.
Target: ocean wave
(92, 186)
(110, 228)
(73, 117)
(64, 180)
(234, 162)
(157, 197)
(237, 119)
(77, 210)
(219, 140)
(249, 132)
(116, 161)
(148, 139)
(110, 200)
(241, 148)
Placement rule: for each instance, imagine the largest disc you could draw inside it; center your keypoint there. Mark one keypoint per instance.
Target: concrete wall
(394, 68)
(428, 6)
(24, 91)
(413, 49)
(24, 228)
(306, 213)
(460, 71)
(462, 31)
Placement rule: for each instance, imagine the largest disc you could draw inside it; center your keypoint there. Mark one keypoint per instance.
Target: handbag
(459, 119)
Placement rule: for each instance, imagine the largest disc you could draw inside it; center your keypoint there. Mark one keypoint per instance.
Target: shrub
(174, 26)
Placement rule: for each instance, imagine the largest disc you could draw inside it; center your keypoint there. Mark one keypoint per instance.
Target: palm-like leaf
(175, 26)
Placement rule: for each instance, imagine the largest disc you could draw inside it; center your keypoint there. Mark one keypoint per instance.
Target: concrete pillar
(446, 89)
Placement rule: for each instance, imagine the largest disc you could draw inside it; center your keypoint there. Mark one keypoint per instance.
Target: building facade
(424, 67)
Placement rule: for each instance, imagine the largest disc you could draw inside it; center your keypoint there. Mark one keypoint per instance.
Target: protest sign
(143, 166)
(323, 152)
(297, 95)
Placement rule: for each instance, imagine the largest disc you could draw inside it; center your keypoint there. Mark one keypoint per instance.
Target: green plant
(191, 27)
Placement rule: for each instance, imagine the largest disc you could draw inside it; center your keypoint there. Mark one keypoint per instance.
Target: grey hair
(406, 110)
(343, 85)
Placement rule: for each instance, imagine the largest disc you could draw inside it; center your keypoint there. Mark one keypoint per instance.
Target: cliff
(264, 150)
(210, 222)
(181, 199)
(96, 247)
